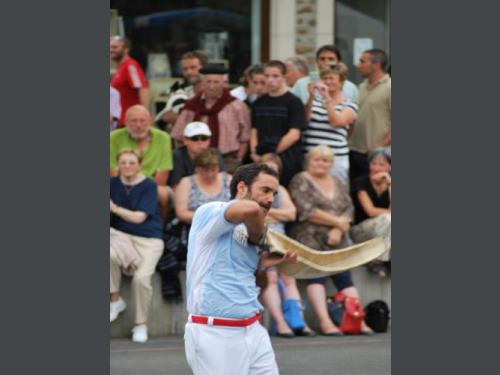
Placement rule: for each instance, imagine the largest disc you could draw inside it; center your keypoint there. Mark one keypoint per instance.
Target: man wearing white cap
(196, 139)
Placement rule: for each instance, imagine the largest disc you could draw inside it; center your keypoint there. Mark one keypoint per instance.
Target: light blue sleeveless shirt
(220, 269)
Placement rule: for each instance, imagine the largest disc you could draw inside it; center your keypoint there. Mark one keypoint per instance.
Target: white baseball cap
(197, 128)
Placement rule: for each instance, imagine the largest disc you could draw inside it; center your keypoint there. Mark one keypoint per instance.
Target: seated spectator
(154, 146)
(283, 211)
(115, 108)
(324, 214)
(330, 114)
(138, 231)
(196, 139)
(227, 117)
(208, 184)
(372, 202)
(278, 119)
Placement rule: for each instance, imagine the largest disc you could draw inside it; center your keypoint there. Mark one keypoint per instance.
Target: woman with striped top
(330, 114)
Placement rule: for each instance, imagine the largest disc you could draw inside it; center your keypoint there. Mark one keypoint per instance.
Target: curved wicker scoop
(313, 263)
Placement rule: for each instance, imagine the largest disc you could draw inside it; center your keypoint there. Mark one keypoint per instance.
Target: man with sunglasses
(197, 137)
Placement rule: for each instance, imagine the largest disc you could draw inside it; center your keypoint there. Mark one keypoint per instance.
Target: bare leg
(272, 300)
(163, 202)
(317, 296)
(114, 297)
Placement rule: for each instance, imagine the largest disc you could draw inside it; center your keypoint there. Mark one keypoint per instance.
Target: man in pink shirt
(129, 78)
(227, 117)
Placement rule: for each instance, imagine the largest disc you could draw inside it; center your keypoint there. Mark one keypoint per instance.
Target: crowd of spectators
(328, 139)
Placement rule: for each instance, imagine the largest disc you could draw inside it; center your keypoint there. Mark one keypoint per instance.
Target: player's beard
(264, 207)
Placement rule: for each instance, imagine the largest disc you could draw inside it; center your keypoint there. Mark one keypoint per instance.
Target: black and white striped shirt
(320, 132)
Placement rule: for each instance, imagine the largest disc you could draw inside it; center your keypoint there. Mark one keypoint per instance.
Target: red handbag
(353, 314)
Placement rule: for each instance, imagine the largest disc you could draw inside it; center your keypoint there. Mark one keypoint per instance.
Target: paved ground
(350, 355)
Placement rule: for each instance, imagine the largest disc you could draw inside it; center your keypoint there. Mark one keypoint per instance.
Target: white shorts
(219, 350)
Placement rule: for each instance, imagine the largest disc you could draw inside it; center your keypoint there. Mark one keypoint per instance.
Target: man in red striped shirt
(129, 78)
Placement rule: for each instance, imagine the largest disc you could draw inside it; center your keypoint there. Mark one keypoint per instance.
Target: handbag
(346, 312)
(377, 316)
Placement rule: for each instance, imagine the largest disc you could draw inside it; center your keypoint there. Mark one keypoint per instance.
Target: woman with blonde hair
(330, 115)
(324, 216)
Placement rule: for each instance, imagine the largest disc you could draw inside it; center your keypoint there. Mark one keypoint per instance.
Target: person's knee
(272, 278)
(386, 219)
(113, 258)
(142, 281)
(289, 281)
(350, 292)
(163, 195)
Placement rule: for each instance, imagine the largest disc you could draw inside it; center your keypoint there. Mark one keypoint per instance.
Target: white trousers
(340, 169)
(219, 350)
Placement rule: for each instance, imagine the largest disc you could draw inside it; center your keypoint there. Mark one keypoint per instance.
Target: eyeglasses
(198, 138)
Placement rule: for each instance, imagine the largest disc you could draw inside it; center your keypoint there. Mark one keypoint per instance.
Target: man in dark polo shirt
(196, 139)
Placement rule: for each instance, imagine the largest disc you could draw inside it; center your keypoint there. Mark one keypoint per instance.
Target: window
(361, 23)
(222, 28)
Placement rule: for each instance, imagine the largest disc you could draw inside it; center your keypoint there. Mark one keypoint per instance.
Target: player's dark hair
(248, 173)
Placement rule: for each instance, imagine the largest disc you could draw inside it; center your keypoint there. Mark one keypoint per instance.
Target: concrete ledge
(169, 318)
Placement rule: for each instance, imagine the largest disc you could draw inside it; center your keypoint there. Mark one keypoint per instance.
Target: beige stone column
(282, 30)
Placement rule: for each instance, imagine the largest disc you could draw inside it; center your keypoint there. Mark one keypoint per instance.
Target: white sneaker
(115, 308)
(140, 333)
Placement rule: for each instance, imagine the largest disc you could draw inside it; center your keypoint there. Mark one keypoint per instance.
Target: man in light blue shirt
(325, 56)
(223, 334)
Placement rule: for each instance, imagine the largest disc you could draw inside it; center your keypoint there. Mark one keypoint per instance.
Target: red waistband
(224, 322)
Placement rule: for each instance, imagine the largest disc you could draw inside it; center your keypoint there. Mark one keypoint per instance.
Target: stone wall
(305, 30)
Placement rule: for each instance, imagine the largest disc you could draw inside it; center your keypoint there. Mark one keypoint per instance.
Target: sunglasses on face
(198, 138)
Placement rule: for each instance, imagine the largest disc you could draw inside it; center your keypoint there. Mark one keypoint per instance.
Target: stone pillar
(305, 39)
(282, 30)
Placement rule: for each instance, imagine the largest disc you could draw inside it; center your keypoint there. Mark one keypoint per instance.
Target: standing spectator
(296, 68)
(227, 117)
(115, 108)
(196, 139)
(249, 91)
(258, 82)
(191, 63)
(137, 229)
(129, 78)
(277, 121)
(154, 145)
(373, 126)
(330, 115)
(325, 56)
